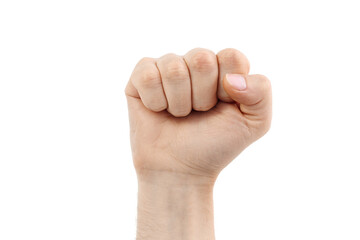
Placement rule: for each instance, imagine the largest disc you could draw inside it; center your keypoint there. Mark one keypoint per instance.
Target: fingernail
(236, 81)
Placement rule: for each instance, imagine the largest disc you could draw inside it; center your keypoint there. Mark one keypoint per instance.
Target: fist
(193, 114)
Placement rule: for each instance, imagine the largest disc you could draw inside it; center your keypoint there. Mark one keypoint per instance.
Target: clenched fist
(194, 114)
(190, 116)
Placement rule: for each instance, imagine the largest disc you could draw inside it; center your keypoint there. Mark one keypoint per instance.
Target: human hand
(194, 114)
(189, 117)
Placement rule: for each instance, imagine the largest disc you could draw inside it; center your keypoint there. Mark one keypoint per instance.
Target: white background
(65, 161)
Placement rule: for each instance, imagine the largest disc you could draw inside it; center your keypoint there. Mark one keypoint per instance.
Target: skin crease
(187, 122)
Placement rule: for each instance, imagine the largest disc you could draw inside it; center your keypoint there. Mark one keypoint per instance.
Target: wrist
(175, 206)
(172, 179)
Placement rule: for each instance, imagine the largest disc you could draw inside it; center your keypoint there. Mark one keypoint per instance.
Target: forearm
(174, 206)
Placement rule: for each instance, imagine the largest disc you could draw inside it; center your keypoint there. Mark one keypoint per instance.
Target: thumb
(253, 95)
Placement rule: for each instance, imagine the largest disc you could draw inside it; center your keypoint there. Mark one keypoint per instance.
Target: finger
(145, 83)
(230, 61)
(253, 95)
(176, 83)
(203, 69)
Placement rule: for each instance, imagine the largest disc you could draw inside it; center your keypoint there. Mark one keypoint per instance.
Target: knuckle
(230, 55)
(181, 112)
(175, 69)
(202, 108)
(233, 57)
(145, 73)
(157, 106)
(203, 61)
(260, 124)
(180, 108)
(149, 78)
(127, 89)
(267, 126)
(264, 81)
(264, 127)
(145, 60)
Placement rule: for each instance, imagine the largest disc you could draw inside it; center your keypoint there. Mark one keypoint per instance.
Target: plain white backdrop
(65, 161)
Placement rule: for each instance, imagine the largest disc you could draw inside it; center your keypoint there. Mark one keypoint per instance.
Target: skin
(187, 122)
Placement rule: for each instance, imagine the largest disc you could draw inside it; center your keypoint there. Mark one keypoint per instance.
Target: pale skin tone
(190, 116)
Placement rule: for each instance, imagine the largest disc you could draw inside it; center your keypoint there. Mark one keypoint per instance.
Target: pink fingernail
(236, 81)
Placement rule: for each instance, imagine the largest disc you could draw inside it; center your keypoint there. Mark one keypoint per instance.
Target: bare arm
(175, 207)
(190, 116)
